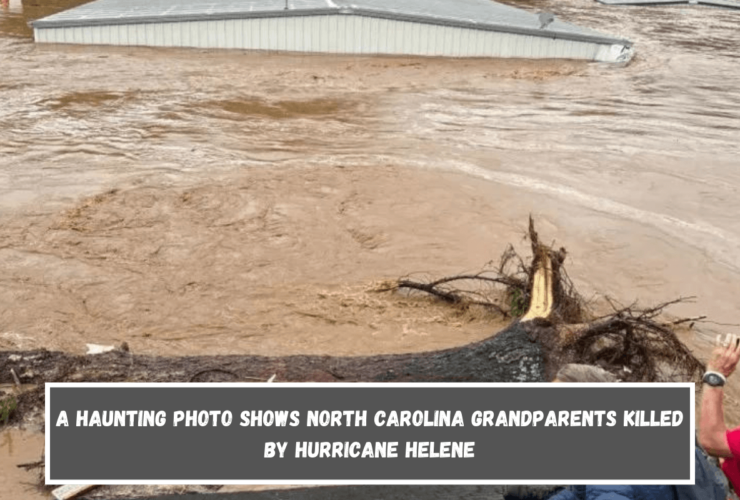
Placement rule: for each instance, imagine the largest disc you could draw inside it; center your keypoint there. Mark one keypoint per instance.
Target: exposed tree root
(631, 342)
(635, 346)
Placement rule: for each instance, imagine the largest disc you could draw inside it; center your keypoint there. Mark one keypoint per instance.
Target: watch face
(713, 380)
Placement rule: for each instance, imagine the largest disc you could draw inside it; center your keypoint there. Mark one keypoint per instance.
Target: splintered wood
(540, 305)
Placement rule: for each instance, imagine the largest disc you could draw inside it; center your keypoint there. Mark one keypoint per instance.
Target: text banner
(370, 433)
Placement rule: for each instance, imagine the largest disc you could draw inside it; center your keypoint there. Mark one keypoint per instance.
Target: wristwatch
(714, 379)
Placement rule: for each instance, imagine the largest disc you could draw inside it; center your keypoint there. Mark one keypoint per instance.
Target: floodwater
(195, 201)
(190, 201)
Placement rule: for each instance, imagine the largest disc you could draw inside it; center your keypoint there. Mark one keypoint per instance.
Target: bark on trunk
(509, 356)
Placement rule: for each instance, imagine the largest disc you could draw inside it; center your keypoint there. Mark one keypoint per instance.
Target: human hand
(726, 355)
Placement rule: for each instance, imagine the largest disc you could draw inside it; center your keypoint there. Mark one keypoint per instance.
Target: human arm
(712, 429)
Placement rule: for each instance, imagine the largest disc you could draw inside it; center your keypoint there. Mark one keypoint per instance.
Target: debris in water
(98, 349)
(15, 378)
(546, 18)
(69, 491)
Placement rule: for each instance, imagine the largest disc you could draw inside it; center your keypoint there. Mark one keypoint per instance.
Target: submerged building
(448, 28)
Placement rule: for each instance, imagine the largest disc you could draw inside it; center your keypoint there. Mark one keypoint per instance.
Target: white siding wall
(330, 33)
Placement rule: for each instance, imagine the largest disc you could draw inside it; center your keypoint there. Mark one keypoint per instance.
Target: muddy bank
(19, 446)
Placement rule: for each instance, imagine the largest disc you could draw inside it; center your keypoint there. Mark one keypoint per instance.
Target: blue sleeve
(657, 493)
(624, 492)
(621, 492)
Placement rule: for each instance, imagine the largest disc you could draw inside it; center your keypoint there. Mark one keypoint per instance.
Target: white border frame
(386, 385)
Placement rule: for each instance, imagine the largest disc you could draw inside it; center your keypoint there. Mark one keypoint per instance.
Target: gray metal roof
(723, 4)
(478, 14)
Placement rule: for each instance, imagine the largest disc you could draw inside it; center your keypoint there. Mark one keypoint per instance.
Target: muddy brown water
(212, 202)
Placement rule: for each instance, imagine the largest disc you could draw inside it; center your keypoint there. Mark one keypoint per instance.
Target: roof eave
(578, 37)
